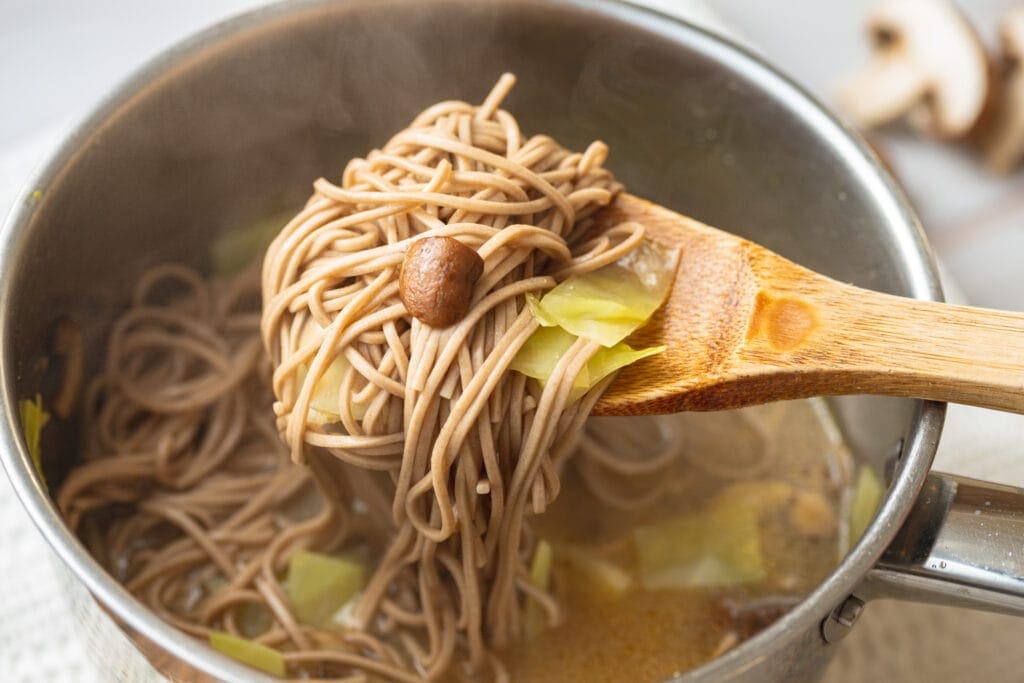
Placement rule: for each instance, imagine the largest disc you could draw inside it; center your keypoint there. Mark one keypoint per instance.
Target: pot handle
(962, 544)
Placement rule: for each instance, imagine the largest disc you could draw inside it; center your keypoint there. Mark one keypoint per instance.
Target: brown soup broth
(785, 459)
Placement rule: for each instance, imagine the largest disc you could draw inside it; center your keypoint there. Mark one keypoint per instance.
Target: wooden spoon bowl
(743, 325)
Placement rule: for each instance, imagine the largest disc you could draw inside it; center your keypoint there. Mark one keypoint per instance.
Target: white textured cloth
(50, 631)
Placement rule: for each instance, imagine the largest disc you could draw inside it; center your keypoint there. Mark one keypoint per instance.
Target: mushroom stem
(883, 92)
(1003, 143)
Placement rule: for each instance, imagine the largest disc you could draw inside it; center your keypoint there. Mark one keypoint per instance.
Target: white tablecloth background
(41, 639)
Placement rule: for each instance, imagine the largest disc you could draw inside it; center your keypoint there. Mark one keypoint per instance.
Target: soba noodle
(206, 506)
(432, 448)
(471, 448)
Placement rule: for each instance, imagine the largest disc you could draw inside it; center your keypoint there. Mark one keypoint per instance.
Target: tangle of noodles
(181, 446)
(435, 454)
(469, 447)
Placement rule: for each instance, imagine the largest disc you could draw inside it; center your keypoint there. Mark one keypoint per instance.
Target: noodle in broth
(208, 466)
(443, 416)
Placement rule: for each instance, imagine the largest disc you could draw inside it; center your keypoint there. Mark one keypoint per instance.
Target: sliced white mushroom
(1004, 140)
(928, 66)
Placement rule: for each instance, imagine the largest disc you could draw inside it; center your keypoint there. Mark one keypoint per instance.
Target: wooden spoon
(743, 326)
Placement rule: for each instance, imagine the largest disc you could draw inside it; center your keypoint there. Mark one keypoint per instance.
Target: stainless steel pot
(239, 119)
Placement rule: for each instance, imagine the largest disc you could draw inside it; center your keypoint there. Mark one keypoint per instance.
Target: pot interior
(237, 125)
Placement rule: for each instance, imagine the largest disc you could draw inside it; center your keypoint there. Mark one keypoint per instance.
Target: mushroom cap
(436, 280)
(929, 63)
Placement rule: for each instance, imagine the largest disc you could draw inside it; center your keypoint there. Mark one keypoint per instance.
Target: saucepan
(236, 121)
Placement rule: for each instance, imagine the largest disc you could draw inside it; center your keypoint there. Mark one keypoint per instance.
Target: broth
(789, 454)
(689, 533)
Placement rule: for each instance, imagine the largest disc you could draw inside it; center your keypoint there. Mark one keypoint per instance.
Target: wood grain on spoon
(742, 326)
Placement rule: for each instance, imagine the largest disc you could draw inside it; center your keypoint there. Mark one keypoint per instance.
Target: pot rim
(912, 248)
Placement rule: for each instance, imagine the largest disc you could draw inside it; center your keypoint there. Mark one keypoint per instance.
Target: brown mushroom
(928, 66)
(1004, 140)
(437, 278)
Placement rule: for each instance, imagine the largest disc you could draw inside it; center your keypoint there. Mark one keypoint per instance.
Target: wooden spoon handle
(832, 338)
(743, 325)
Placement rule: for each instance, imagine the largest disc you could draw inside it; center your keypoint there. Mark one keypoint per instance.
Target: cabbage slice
(540, 567)
(608, 360)
(235, 249)
(33, 419)
(867, 496)
(606, 306)
(249, 652)
(540, 577)
(546, 346)
(319, 585)
(323, 403)
(719, 545)
(610, 303)
(604, 578)
(542, 351)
